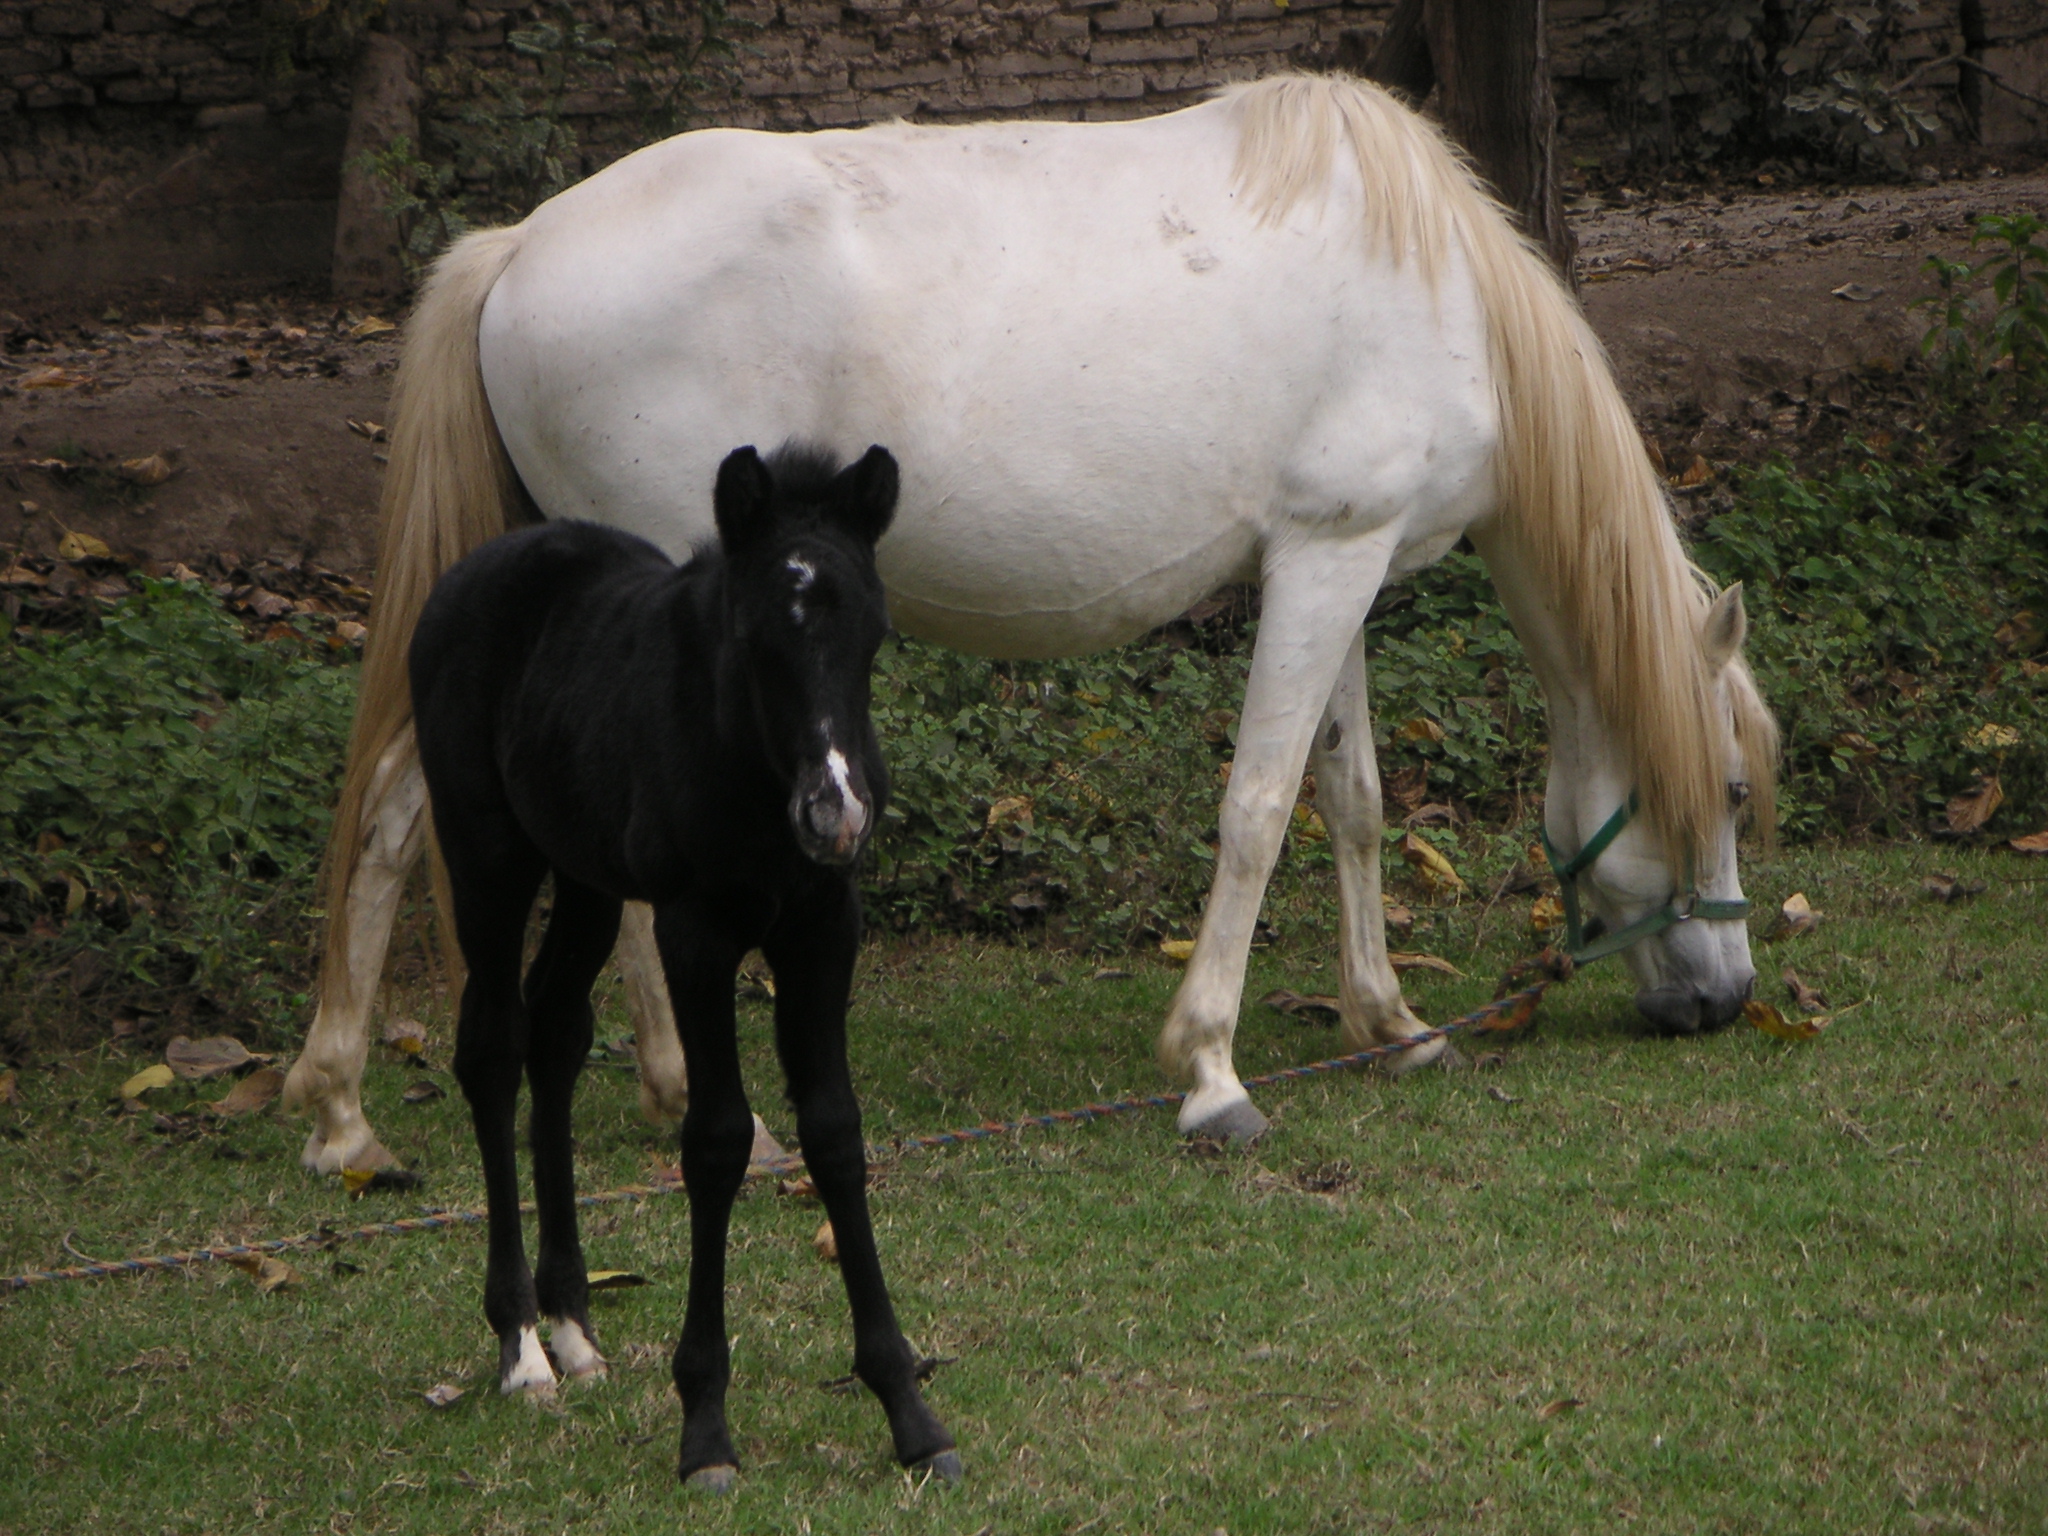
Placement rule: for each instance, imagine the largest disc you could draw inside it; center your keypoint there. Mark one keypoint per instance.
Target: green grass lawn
(1791, 1287)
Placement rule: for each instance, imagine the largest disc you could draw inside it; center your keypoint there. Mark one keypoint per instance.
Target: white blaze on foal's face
(806, 574)
(851, 810)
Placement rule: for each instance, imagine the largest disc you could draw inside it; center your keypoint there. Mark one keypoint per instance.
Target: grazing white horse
(1281, 335)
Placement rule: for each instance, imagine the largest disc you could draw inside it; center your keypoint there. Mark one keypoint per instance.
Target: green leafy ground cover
(1793, 1288)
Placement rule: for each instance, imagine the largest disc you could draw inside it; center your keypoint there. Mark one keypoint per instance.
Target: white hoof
(357, 1149)
(1220, 1112)
(574, 1352)
(531, 1372)
(663, 1103)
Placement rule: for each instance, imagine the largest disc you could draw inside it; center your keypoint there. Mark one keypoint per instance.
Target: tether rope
(1505, 1013)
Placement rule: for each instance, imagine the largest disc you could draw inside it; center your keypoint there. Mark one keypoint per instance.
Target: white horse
(1281, 335)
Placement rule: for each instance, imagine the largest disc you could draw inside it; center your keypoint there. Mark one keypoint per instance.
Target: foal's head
(806, 610)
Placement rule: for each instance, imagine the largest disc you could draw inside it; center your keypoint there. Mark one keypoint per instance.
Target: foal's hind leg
(1348, 798)
(492, 900)
(701, 956)
(579, 937)
(812, 954)
(328, 1076)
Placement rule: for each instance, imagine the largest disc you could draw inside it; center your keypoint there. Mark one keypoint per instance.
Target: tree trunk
(385, 105)
(1489, 65)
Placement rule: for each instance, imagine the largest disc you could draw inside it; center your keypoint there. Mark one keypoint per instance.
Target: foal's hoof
(718, 1479)
(1238, 1120)
(945, 1466)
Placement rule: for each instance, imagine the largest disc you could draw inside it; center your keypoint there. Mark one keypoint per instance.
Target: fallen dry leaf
(1315, 1009)
(1396, 916)
(1182, 950)
(10, 1088)
(1421, 728)
(1856, 293)
(195, 1060)
(1546, 915)
(1436, 814)
(18, 575)
(1431, 865)
(374, 431)
(442, 1395)
(158, 1076)
(1795, 916)
(250, 1094)
(1404, 961)
(826, 1244)
(1943, 886)
(370, 325)
(1804, 998)
(54, 378)
(1771, 1022)
(150, 469)
(800, 1188)
(268, 1271)
(2033, 842)
(613, 1280)
(1992, 737)
(1696, 474)
(1969, 811)
(406, 1036)
(423, 1090)
(1561, 1406)
(2021, 632)
(82, 546)
(362, 1181)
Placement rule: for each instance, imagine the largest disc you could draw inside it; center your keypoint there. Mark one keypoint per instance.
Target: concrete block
(1023, 64)
(1125, 18)
(138, 18)
(140, 93)
(31, 57)
(104, 60)
(1144, 50)
(932, 72)
(1276, 38)
(239, 114)
(1199, 14)
(57, 91)
(214, 87)
(67, 20)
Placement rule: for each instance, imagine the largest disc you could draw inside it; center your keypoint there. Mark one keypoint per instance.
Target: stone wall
(170, 145)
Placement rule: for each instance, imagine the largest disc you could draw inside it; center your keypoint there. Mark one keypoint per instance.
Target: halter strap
(1675, 911)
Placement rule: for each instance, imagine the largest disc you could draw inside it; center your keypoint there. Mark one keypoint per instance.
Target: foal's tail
(449, 487)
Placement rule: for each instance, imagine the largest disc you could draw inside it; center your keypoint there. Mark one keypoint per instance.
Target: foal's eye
(1738, 795)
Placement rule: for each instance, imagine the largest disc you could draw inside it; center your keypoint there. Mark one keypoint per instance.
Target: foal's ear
(864, 494)
(1726, 627)
(743, 489)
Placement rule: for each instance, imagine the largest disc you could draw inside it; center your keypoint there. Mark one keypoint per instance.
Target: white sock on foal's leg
(573, 1350)
(532, 1369)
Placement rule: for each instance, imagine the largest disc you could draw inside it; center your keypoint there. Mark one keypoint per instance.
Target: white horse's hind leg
(664, 1082)
(1316, 596)
(327, 1079)
(1348, 799)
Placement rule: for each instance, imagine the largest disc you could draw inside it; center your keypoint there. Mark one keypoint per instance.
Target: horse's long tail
(449, 487)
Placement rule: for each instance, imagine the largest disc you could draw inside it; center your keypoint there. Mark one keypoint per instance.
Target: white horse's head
(1690, 950)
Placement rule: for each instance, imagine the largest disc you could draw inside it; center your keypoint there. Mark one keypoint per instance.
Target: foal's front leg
(701, 958)
(812, 953)
(1348, 799)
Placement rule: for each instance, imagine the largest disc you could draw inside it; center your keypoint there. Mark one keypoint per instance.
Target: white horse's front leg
(327, 1079)
(1316, 594)
(1348, 799)
(664, 1082)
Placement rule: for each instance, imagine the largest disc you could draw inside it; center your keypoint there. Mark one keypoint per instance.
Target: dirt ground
(1741, 322)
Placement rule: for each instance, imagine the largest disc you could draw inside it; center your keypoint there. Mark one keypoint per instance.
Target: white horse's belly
(1109, 391)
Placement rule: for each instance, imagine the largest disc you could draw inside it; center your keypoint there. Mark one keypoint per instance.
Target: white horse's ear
(1727, 626)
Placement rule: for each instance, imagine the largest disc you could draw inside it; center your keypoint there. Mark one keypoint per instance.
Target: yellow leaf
(1182, 950)
(82, 546)
(370, 325)
(1422, 728)
(269, 1273)
(613, 1279)
(1011, 810)
(1546, 915)
(1432, 866)
(1418, 962)
(825, 1243)
(408, 1036)
(74, 896)
(158, 1076)
(1968, 812)
(356, 1180)
(1772, 1022)
(1992, 737)
(150, 469)
(1795, 916)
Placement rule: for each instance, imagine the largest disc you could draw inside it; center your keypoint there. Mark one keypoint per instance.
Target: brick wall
(185, 142)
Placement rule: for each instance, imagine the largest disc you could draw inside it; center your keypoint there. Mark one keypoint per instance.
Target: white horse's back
(1070, 336)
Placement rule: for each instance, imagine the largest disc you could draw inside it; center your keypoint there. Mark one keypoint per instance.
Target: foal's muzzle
(830, 814)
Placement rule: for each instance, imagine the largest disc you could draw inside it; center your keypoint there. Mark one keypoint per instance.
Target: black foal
(695, 737)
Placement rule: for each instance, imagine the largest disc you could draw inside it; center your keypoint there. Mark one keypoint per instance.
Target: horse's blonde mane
(1579, 500)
